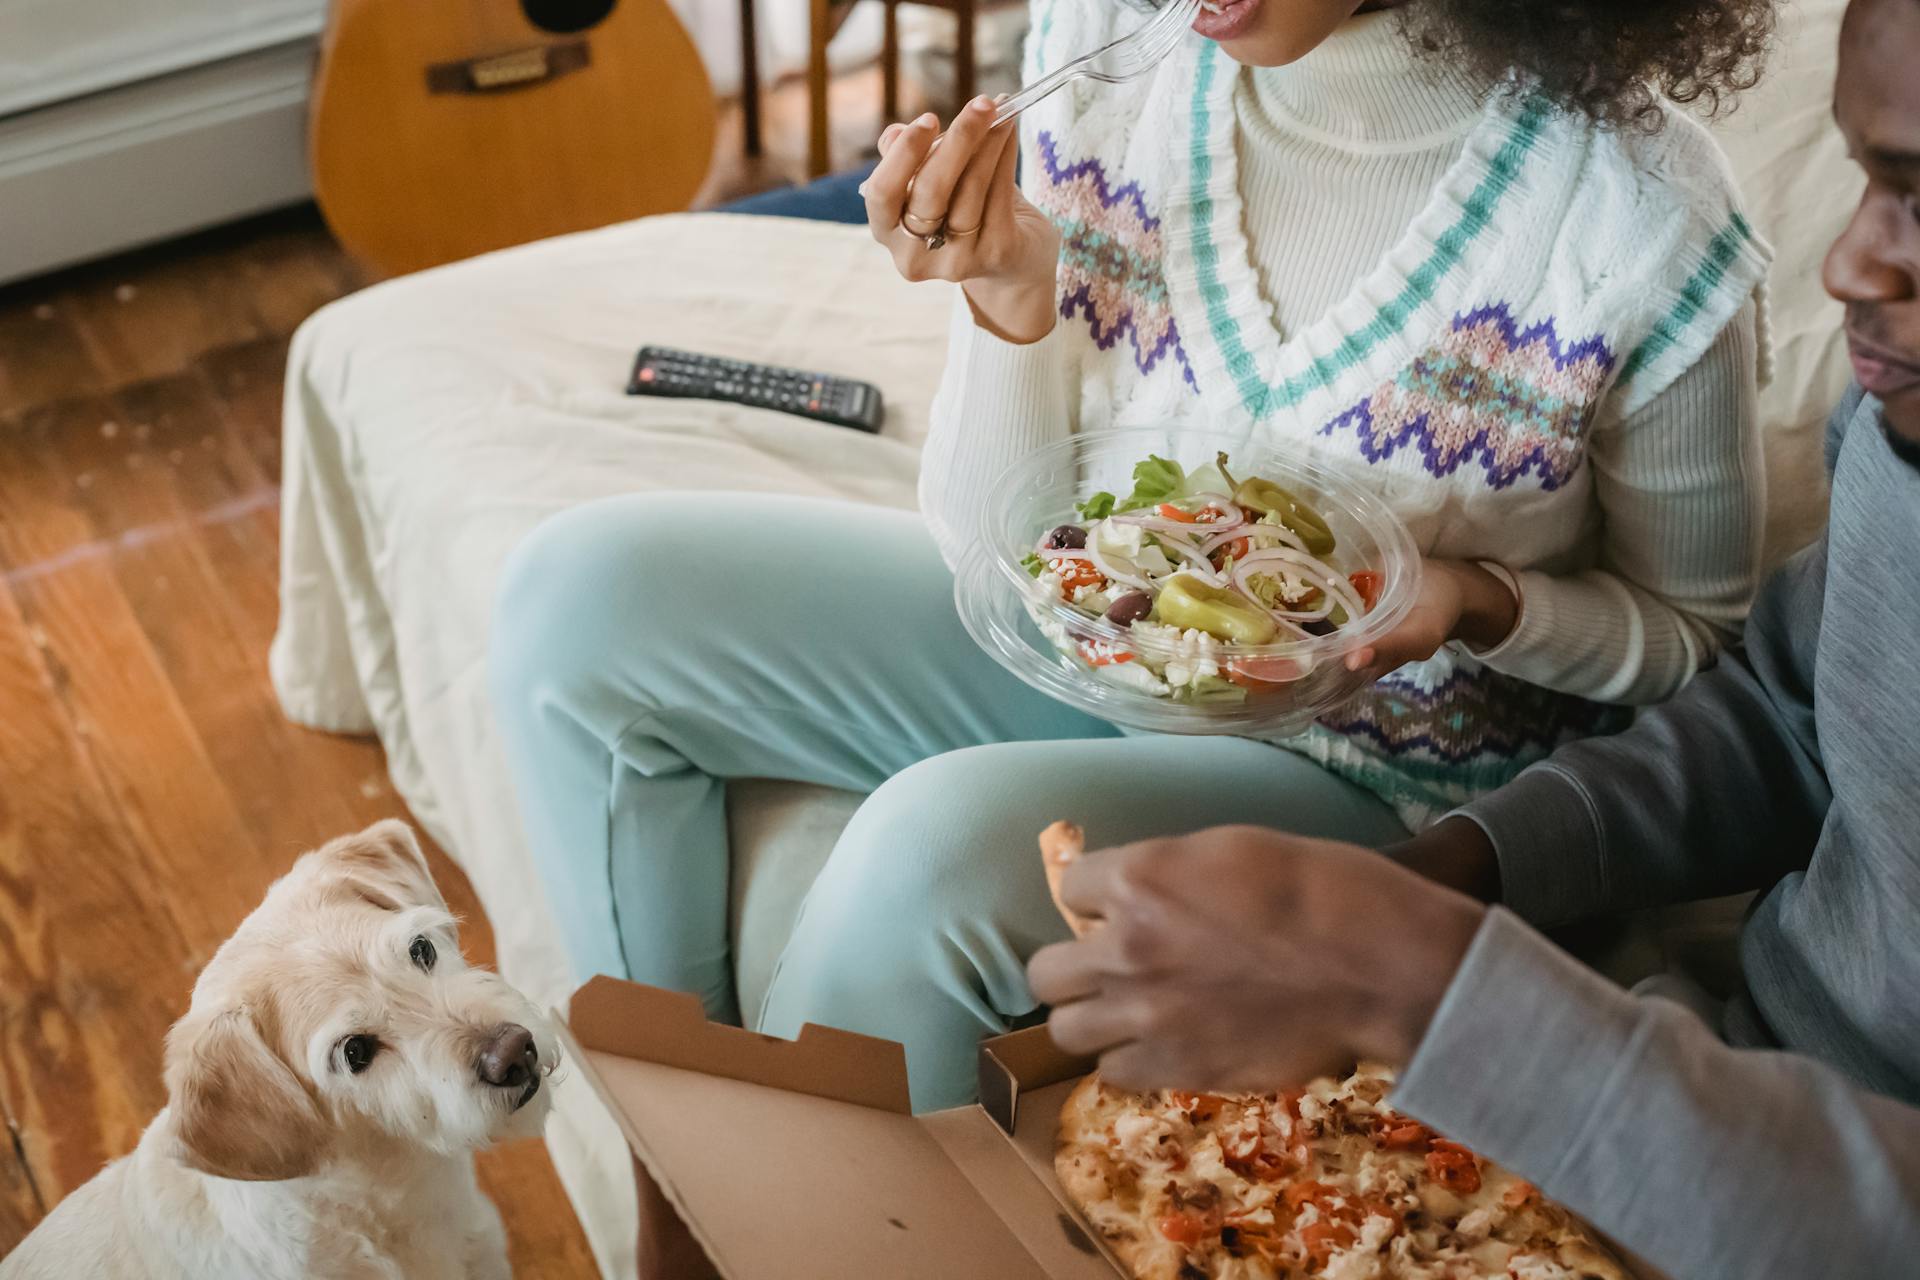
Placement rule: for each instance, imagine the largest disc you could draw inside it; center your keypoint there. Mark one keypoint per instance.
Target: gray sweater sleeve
(1703, 1159)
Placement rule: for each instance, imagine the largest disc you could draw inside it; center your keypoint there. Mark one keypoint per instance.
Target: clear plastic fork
(1128, 58)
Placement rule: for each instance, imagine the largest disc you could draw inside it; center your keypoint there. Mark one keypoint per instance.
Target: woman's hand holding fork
(952, 212)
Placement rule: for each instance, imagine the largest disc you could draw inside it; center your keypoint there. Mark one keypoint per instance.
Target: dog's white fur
(272, 1160)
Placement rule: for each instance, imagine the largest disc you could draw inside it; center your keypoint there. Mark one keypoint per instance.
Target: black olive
(1318, 627)
(1068, 537)
(1230, 1240)
(1130, 608)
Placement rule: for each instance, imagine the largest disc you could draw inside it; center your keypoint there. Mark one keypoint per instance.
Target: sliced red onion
(1243, 574)
(1287, 537)
(1132, 580)
(1253, 530)
(1232, 516)
(1195, 555)
(1333, 584)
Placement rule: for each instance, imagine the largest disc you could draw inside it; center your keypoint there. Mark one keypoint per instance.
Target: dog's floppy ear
(384, 865)
(238, 1111)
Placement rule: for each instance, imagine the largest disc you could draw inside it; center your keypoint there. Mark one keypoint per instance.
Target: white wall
(52, 50)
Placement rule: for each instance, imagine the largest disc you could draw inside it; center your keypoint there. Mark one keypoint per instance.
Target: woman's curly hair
(1610, 59)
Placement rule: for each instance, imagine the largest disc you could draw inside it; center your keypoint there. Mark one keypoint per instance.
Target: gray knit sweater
(1786, 1141)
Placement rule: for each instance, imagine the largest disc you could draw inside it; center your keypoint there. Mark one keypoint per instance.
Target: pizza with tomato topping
(1328, 1181)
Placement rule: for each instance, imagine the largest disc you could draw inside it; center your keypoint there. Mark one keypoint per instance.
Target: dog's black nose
(509, 1057)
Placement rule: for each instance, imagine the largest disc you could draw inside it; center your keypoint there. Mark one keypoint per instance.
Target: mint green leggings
(647, 649)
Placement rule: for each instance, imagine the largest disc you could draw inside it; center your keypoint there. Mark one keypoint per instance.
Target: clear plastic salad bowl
(1159, 675)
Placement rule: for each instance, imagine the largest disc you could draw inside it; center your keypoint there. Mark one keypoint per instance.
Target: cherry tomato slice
(1368, 583)
(1262, 675)
(1075, 574)
(1324, 1239)
(1404, 1135)
(1183, 1228)
(1454, 1167)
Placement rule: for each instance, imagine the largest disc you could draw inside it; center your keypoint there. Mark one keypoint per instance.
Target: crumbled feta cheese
(1353, 1264)
(1091, 597)
(1476, 1226)
(1376, 1231)
(1136, 676)
(1142, 1137)
(1187, 656)
(1125, 547)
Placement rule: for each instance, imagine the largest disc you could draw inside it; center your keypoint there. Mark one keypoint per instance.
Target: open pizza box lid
(795, 1159)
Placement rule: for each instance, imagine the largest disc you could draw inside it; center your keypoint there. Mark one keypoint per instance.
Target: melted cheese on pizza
(1328, 1182)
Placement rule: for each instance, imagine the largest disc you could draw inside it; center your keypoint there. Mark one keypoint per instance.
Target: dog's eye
(357, 1052)
(423, 954)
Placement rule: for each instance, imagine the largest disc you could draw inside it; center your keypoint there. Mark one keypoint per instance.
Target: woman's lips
(1881, 373)
(1229, 18)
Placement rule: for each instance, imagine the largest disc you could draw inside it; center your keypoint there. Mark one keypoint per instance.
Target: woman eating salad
(1465, 252)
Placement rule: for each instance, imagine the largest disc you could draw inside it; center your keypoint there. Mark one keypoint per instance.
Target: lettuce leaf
(1098, 507)
(1154, 481)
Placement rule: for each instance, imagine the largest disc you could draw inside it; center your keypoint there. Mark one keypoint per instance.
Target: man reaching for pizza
(1778, 1135)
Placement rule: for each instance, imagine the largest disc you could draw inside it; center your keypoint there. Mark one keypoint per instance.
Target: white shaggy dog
(339, 1065)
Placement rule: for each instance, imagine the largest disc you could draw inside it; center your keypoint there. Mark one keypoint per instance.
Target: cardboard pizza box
(802, 1160)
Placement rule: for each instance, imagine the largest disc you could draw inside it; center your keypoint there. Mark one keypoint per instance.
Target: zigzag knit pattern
(1110, 257)
(1514, 400)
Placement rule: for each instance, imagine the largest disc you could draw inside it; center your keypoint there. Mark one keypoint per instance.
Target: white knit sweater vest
(1557, 278)
(1340, 152)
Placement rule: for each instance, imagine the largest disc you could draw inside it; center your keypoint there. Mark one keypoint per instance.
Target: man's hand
(1246, 959)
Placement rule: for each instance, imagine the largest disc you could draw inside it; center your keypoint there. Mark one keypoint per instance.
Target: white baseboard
(115, 170)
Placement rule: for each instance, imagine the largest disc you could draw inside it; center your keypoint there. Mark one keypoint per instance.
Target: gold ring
(954, 233)
(932, 227)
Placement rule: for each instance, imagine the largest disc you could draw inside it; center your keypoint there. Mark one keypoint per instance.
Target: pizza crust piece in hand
(1060, 846)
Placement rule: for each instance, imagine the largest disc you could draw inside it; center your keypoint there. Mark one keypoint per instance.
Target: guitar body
(445, 128)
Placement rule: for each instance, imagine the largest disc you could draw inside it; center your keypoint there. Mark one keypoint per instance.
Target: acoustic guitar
(445, 128)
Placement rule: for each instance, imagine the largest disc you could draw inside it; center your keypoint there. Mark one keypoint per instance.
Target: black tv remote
(844, 402)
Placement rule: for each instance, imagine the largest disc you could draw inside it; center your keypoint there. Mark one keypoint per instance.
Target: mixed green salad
(1194, 567)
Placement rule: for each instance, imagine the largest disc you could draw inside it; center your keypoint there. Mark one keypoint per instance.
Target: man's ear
(384, 865)
(237, 1110)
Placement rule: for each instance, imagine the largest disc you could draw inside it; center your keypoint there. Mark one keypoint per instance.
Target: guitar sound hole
(563, 17)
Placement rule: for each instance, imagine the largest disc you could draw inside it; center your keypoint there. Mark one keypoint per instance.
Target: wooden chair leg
(890, 61)
(964, 77)
(817, 84)
(749, 79)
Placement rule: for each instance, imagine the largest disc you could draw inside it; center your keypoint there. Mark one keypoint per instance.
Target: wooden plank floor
(150, 790)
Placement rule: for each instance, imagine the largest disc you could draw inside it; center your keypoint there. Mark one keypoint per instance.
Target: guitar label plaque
(516, 69)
